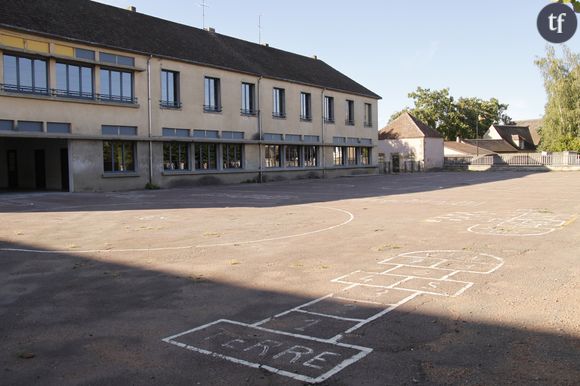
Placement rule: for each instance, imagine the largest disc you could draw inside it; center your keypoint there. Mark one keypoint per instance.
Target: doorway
(64, 178)
(40, 169)
(12, 163)
(396, 163)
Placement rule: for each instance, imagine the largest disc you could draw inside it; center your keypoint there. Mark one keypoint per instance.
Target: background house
(408, 139)
(523, 136)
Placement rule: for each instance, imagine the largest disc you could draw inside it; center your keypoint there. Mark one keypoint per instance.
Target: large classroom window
(365, 155)
(292, 156)
(310, 156)
(351, 156)
(119, 156)
(117, 86)
(74, 81)
(205, 156)
(232, 156)
(26, 75)
(337, 156)
(212, 98)
(176, 156)
(272, 156)
(248, 99)
(170, 89)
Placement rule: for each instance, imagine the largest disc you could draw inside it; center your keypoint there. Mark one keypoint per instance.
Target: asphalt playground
(426, 278)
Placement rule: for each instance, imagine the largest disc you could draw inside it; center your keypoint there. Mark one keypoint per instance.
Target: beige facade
(87, 116)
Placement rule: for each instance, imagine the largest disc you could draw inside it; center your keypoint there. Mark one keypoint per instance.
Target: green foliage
(575, 4)
(151, 186)
(451, 117)
(561, 128)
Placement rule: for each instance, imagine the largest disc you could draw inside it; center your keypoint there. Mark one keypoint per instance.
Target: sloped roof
(465, 148)
(407, 126)
(534, 125)
(493, 145)
(106, 26)
(507, 131)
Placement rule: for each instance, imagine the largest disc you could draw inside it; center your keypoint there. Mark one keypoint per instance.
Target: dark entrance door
(12, 162)
(64, 170)
(40, 169)
(396, 163)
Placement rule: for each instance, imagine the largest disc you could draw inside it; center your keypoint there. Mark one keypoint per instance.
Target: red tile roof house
(407, 138)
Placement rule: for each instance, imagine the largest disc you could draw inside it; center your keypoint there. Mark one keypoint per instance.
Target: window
(272, 156)
(292, 156)
(368, 115)
(337, 156)
(205, 156)
(84, 54)
(279, 103)
(57, 127)
(310, 156)
(74, 81)
(311, 138)
(305, 106)
(349, 113)
(118, 130)
(365, 155)
(117, 86)
(25, 75)
(176, 156)
(205, 133)
(30, 126)
(328, 109)
(117, 59)
(170, 89)
(248, 99)
(119, 156)
(6, 124)
(232, 135)
(351, 155)
(212, 95)
(232, 156)
(170, 132)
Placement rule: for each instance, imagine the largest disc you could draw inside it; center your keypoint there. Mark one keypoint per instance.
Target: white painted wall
(428, 150)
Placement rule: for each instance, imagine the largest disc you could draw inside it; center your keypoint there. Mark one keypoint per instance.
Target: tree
(561, 127)
(453, 118)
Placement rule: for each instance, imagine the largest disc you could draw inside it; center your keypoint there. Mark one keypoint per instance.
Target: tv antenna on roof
(203, 6)
(259, 29)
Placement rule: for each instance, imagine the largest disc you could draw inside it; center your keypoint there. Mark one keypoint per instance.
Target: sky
(478, 49)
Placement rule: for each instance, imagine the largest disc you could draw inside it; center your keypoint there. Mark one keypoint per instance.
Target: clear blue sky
(483, 49)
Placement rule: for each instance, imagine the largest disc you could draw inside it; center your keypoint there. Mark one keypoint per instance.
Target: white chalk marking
(40, 251)
(329, 316)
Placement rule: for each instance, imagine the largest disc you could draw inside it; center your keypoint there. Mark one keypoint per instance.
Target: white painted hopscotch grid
(523, 222)
(303, 343)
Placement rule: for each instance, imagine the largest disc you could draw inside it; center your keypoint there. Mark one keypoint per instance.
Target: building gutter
(323, 156)
(260, 136)
(149, 118)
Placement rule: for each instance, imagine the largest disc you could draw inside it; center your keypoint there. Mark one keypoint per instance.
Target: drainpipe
(323, 158)
(259, 112)
(149, 118)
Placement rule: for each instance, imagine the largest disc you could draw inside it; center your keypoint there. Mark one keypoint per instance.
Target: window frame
(182, 156)
(248, 102)
(109, 97)
(295, 162)
(278, 102)
(305, 106)
(18, 87)
(328, 109)
(349, 119)
(278, 159)
(202, 149)
(307, 156)
(133, 147)
(340, 158)
(167, 102)
(367, 156)
(81, 94)
(211, 95)
(368, 121)
(351, 150)
(238, 157)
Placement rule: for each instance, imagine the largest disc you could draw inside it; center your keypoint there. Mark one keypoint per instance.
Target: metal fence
(517, 159)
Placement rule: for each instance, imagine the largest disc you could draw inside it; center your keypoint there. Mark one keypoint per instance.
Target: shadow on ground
(68, 319)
